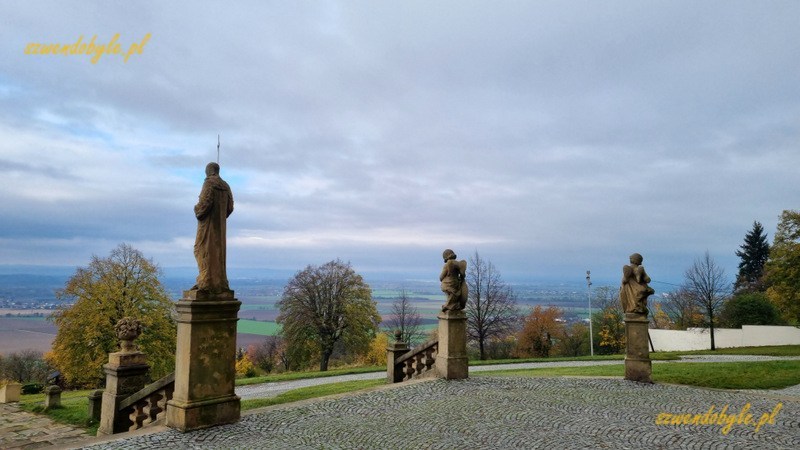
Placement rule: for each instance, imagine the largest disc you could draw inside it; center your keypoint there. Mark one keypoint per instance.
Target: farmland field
(256, 327)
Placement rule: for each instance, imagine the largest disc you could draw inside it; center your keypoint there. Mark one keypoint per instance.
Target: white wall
(700, 338)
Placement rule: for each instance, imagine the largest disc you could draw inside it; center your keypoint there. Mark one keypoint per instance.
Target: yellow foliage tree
(245, 367)
(125, 284)
(376, 355)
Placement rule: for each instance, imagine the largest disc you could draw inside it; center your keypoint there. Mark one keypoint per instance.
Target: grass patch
(291, 376)
(74, 409)
(487, 362)
(772, 350)
(311, 392)
(729, 375)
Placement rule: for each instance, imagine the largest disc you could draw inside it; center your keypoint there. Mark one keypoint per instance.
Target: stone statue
(634, 290)
(454, 285)
(212, 210)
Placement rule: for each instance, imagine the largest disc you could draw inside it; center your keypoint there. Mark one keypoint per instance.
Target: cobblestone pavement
(23, 430)
(499, 412)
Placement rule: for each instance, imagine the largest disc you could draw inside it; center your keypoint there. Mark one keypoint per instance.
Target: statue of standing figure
(212, 210)
(454, 284)
(634, 290)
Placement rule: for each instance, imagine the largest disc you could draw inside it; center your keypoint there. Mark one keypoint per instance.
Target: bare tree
(683, 309)
(491, 306)
(24, 366)
(606, 297)
(706, 282)
(406, 318)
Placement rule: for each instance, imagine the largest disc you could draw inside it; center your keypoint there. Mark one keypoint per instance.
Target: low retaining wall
(747, 336)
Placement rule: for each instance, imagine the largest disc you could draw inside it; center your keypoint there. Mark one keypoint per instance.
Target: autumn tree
(540, 329)
(324, 305)
(405, 317)
(753, 253)
(574, 340)
(491, 306)
(607, 321)
(609, 327)
(265, 353)
(659, 319)
(782, 271)
(24, 366)
(124, 284)
(706, 283)
(683, 309)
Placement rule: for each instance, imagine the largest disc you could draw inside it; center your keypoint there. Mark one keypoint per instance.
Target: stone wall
(747, 336)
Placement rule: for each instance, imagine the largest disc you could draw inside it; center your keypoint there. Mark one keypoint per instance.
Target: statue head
(448, 254)
(212, 168)
(636, 259)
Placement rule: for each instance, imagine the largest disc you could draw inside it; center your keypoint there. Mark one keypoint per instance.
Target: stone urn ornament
(128, 329)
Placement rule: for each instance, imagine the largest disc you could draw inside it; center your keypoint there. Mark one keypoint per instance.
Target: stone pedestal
(205, 362)
(126, 374)
(95, 404)
(10, 392)
(637, 356)
(451, 359)
(393, 351)
(52, 397)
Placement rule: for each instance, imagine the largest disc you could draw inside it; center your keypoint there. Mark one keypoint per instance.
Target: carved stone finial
(398, 335)
(128, 329)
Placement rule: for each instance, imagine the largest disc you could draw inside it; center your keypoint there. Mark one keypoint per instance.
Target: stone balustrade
(149, 405)
(418, 362)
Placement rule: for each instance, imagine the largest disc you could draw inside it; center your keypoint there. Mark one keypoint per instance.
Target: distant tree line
(327, 313)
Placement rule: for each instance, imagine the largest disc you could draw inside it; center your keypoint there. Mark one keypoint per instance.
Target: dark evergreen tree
(754, 254)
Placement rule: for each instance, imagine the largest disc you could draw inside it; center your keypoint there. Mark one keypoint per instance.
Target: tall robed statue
(634, 290)
(212, 210)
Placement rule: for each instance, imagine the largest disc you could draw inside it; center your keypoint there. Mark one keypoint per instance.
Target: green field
(257, 327)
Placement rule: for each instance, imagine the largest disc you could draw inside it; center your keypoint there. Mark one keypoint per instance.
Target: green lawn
(774, 350)
(289, 376)
(312, 392)
(74, 409)
(732, 375)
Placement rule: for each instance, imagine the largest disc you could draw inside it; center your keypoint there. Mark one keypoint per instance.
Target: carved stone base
(205, 362)
(393, 351)
(451, 360)
(126, 374)
(637, 356)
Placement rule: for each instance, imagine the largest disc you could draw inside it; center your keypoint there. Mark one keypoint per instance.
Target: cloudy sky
(551, 137)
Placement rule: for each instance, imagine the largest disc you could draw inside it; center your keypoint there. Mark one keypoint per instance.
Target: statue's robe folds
(634, 290)
(212, 210)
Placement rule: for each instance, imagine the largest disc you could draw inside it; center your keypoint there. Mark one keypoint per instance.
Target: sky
(551, 137)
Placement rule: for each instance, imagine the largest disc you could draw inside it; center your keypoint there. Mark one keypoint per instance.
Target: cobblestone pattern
(23, 430)
(496, 412)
